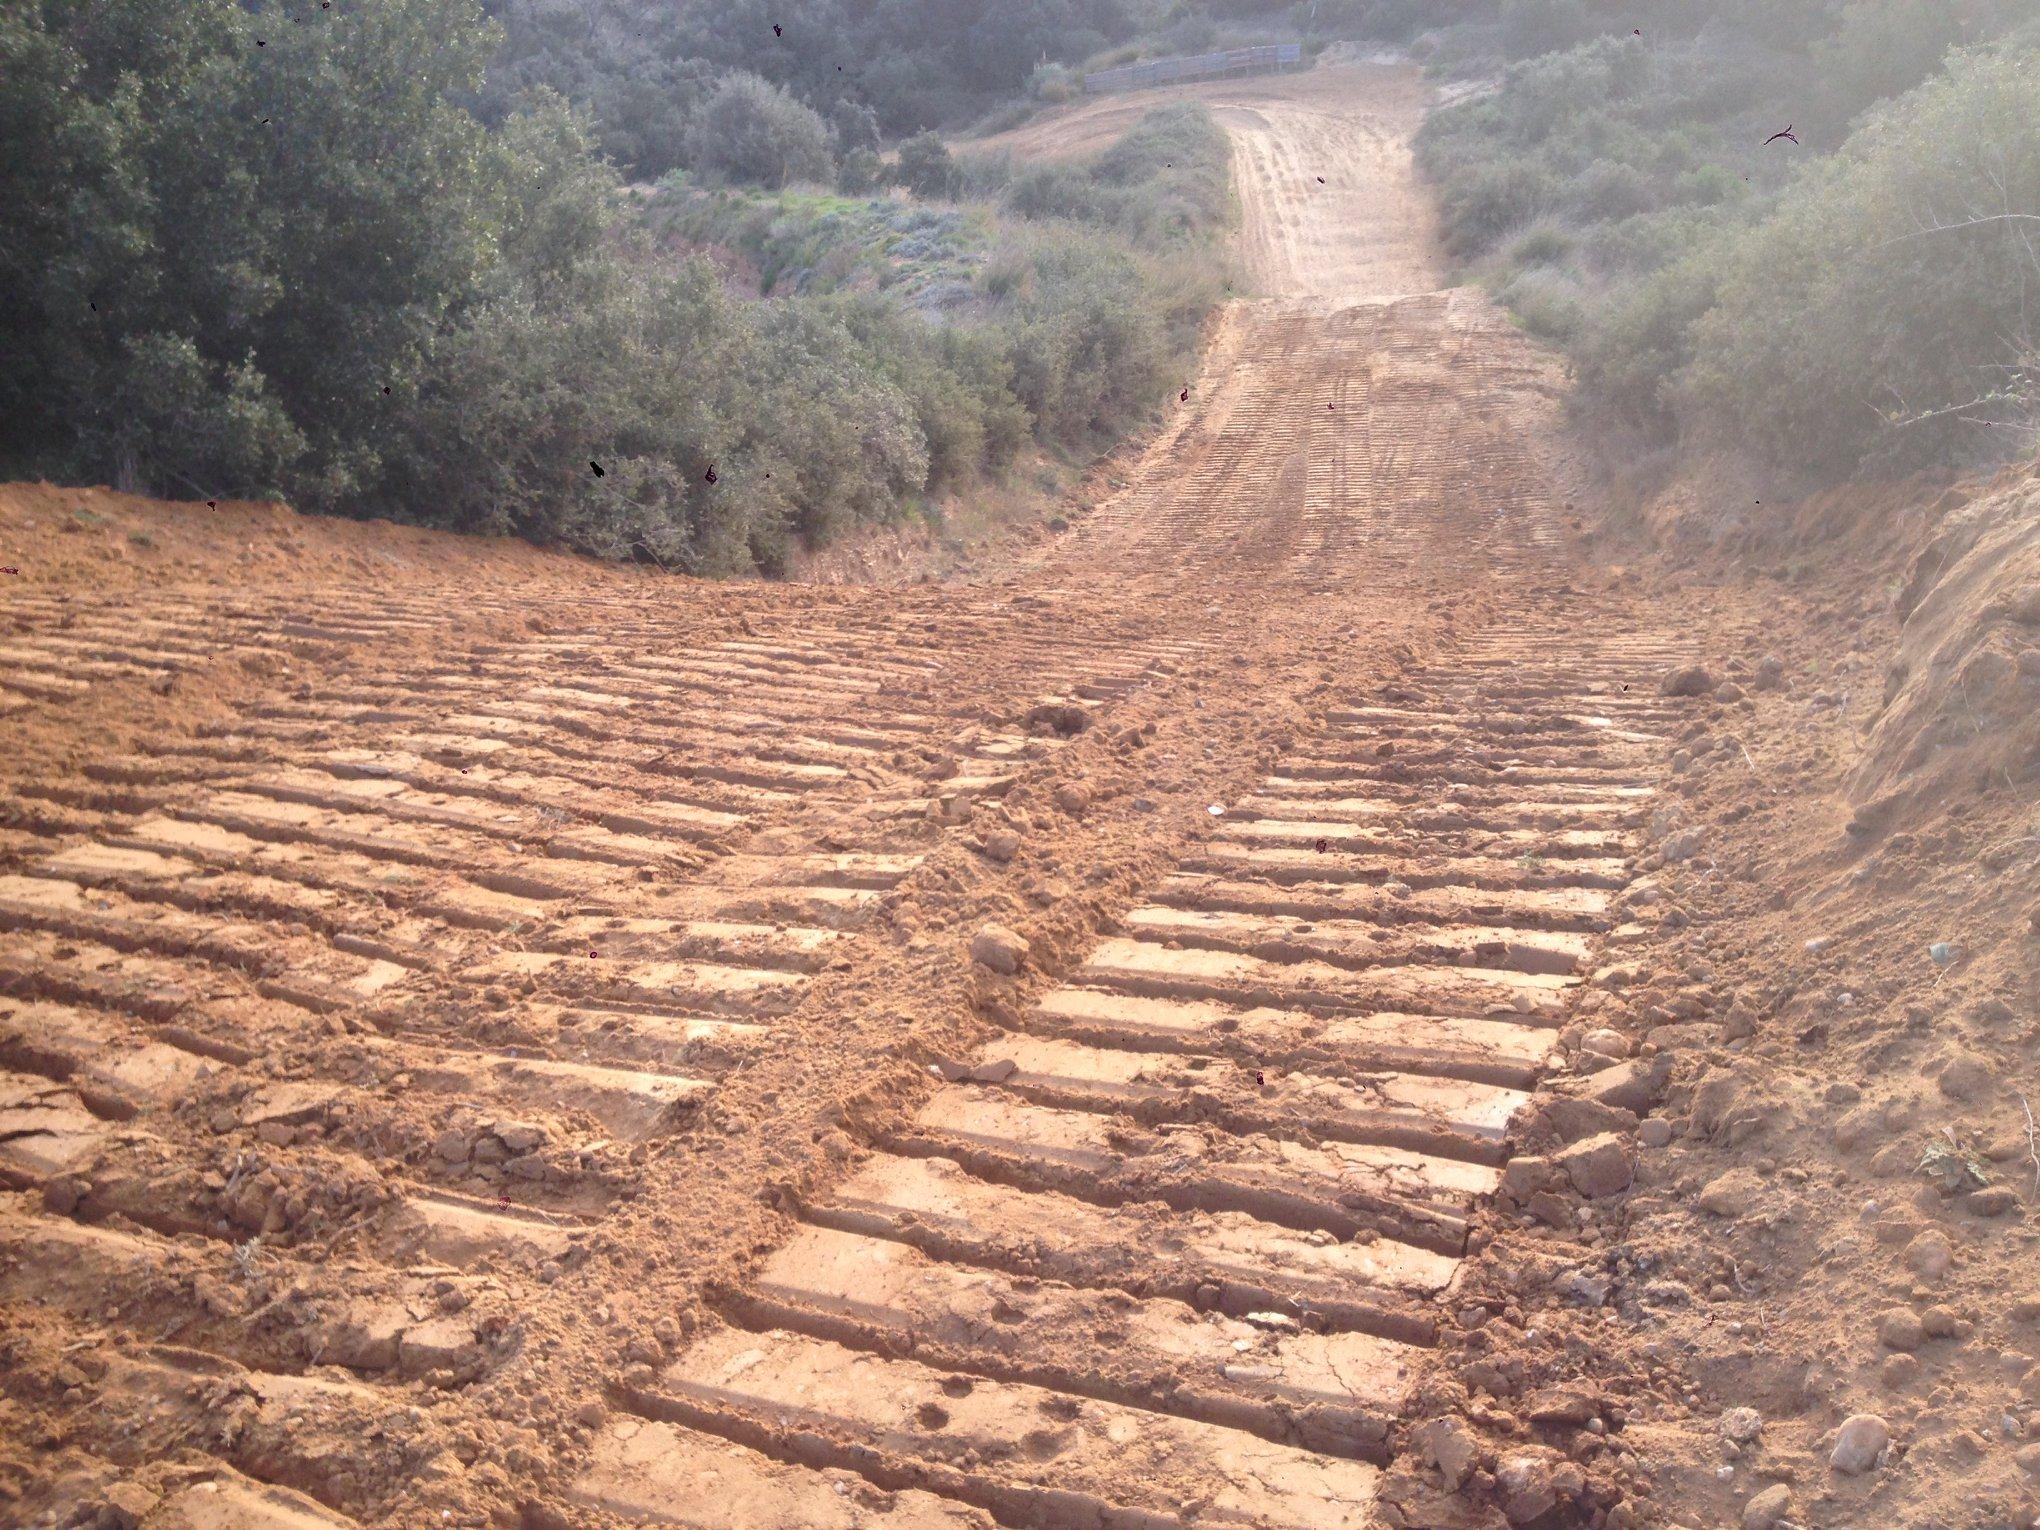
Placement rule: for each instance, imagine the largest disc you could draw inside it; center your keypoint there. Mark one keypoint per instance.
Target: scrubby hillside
(1805, 231)
(434, 302)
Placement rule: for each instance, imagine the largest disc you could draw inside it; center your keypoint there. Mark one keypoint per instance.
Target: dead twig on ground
(2032, 1142)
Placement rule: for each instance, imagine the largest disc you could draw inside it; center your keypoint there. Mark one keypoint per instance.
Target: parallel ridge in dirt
(522, 1063)
(1175, 1238)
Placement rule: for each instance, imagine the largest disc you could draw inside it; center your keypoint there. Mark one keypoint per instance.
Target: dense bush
(228, 237)
(1165, 182)
(748, 129)
(642, 66)
(245, 251)
(926, 167)
(1884, 310)
(1617, 192)
(1066, 326)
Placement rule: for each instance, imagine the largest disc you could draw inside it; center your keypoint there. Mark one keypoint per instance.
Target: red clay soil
(1288, 1003)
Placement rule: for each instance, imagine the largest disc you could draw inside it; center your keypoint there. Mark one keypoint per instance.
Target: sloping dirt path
(517, 1055)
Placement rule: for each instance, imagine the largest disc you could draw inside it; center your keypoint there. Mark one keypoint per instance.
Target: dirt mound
(69, 538)
(1961, 710)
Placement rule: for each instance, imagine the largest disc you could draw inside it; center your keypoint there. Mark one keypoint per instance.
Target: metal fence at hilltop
(1200, 66)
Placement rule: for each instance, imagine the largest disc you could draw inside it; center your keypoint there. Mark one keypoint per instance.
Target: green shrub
(1883, 309)
(1606, 191)
(1486, 205)
(748, 129)
(1826, 305)
(1545, 304)
(518, 401)
(131, 125)
(454, 322)
(1639, 340)
(175, 419)
(1054, 83)
(926, 166)
(1544, 245)
(1167, 181)
(860, 171)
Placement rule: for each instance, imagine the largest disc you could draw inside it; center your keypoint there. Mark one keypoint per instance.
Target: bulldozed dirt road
(581, 1049)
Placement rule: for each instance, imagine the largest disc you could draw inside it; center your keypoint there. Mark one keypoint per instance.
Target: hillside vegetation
(251, 251)
(864, 67)
(1858, 300)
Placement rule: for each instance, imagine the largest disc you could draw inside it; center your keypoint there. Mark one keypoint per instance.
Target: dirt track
(494, 1054)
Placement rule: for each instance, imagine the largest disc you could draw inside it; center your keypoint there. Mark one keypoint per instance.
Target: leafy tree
(751, 130)
(251, 250)
(926, 166)
(287, 205)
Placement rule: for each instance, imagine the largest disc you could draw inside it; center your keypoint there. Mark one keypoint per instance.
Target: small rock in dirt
(1598, 1165)
(453, 1145)
(127, 1504)
(1993, 1201)
(1609, 1043)
(439, 1344)
(367, 1341)
(61, 1194)
(1448, 1445)
(519, 1136)
(995, 1072)
(1059, 717)
(1632, 1086)
(1682, 846)
(1929, 1255)
(1742, 1424)
(1525, 1486)
(1764, 1511)
(1967, 1075)
(1939, 1322)
(1687, 680)
(1527, 1174)
(1728, 691)
(1732, 1194)
(2028, 1458)
(998, 948)
(1072, 798)
(1770, 672)
(1561, 1405)
(1899, 1328)
(1858, 1443)
(1655, 1133)
(1576, 1119)
(1002, 845)
(1581, 1287)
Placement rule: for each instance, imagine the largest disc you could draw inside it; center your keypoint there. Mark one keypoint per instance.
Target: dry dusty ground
(1136, 1038)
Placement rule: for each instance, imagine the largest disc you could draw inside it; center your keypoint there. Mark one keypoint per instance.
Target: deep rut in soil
(538, 1074)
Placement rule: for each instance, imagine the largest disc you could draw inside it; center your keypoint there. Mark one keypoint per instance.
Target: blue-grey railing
(1201, 66)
